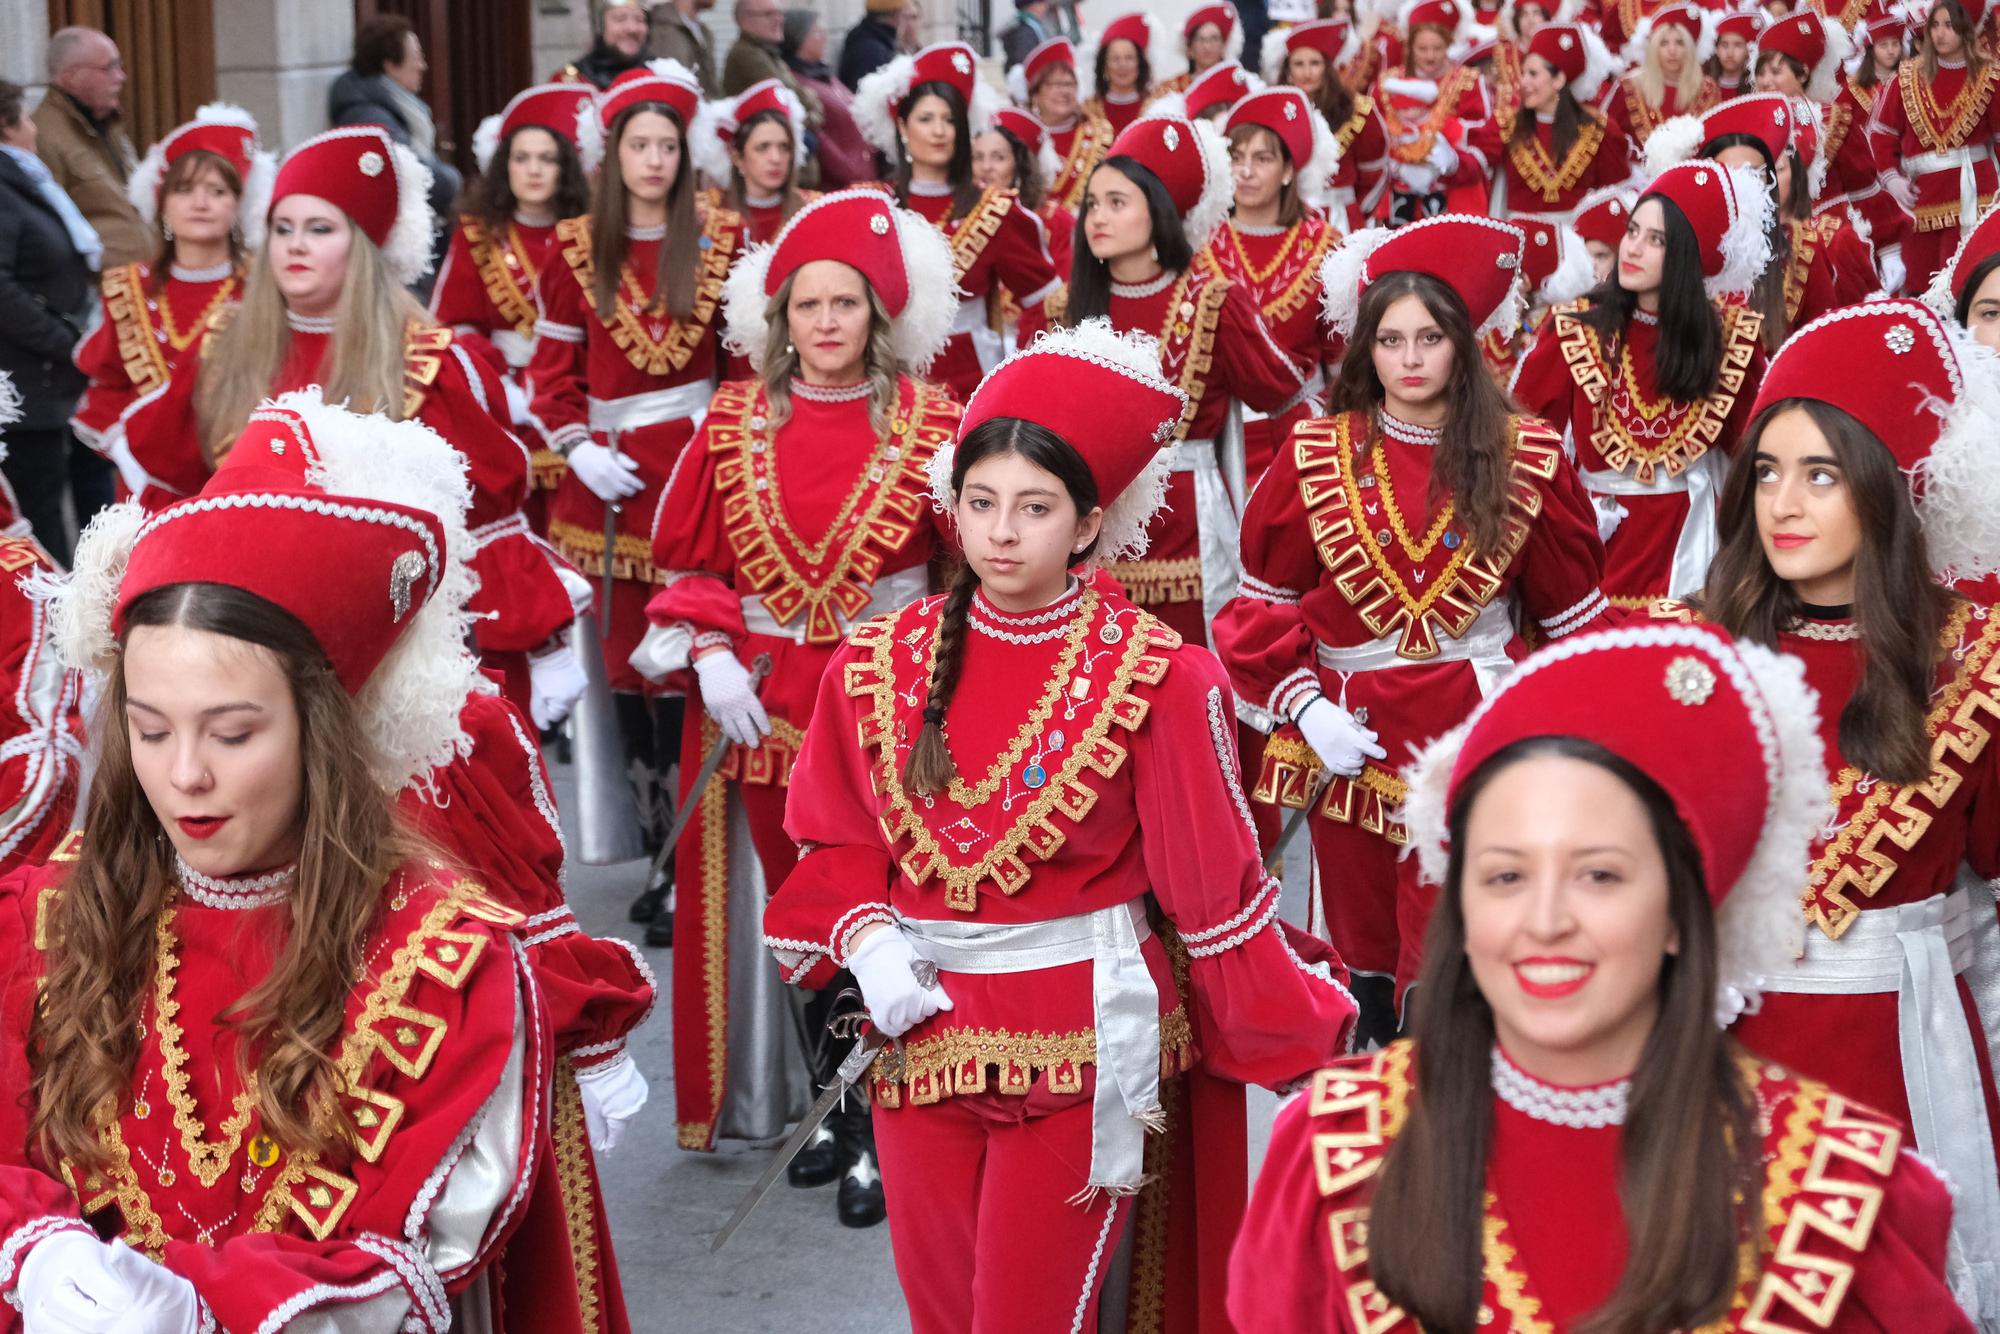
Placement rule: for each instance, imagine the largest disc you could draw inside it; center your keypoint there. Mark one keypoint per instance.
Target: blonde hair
(878, 358)
(364, 365)
(1653, 81)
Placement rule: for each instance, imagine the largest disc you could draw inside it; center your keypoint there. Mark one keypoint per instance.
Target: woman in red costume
(1153, 206)
(1309, 56)
(1933, 128)
(800, 512)
(530, 178)
(206, 185)
(350, 226)
(1015, 154)
(1736, 35)
(1121, 64)
(1665, 56)
(1553, 147)
(1210, 96)
(1650, 377)
(1868, 466)
(1515, 26)
(1965, 290)
(923, 112)
(1370, 624)
(1817, 263)
(626, 354)
(1280, 157)
(293, 1069)
(1432, 106)
(1210, 35)
(1045, 83)
(1569, 1140)
(1000, 888)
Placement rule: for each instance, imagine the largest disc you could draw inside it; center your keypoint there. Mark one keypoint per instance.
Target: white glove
(1416, 178)
(609, 476)
(162, 1301)
(1890, 262)
(555, 683)
(1901, 190)
(1443, 156)
(612, 1093)
(730, 699)
(517, 401)
(885, 966)
(581, 593)
(72, 1283)
(130, 470)
(1342, 744)
(1610, 513)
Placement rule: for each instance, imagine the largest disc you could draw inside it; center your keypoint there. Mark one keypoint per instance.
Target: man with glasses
(759, 55)
(83, 143)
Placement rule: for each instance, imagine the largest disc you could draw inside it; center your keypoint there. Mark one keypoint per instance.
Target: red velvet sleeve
(1900, 1277)
(110, 390)
(1746, 398)
(844, 870)
(1021, 260)
(1486, 140)
(159, 426)
(691, 551)
(1253, 366)
(1283, 1278)
(1371, 162)
(458, 297)
(1542, 383)
(1270, 1003)
(1562, 562)
(1613, 163)
(558, 374)
(1260, 634)
(1886, 126)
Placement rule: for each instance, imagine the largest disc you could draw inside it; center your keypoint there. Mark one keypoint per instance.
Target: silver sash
(1484, 645)
(1217, 512)
(652, 408)
(1965, 161)
(891, 592)
(1700, 531)
(1125, 1004)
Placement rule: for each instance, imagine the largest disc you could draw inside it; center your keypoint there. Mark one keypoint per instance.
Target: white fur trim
(1599, 65)
(1957, 486)
(1672, 142)
(1340, 277)
(407, 250)
(1746, 245)
(1575, 274)
(875, 99)
(1704, 44)
(1169, 104)
(1047, 160)
(1122, 535)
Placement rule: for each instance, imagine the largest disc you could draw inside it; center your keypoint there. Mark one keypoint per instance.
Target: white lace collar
(762, 201)
(930, 189)
(1259, 228)
(1408, 432)
(1030, 627)
(1063, 127)
(825, 393)
(214, 273)
(1646, 317)
(1151, 287)
(236, 891)
(658, 233)
(1591, 1108)
(1123, 99)
(530, 218)
(309, 324)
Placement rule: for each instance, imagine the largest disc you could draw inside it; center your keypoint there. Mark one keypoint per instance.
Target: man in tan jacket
(82, 143)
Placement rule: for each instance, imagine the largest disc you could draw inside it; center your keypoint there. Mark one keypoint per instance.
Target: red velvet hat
(1103, 393)
(1448, 15)
(1745, 23)
(1577, 52)
(1604, 214)
(716, 124)
(546, 106)
(1925, 390)
(1334, 39)
(353, 524)
(1694, 20)
(906, 261)
(1192, 162)
(1478, 257)
(881, 93)
(1055, 51)
(1136, 28)
(1949, 284)
(378, 183)
(230, 133)
(1752, 794)
(667, 82)
(1222, 15)
(1024, 126)
(1288, 113)
(1221, 85)
(1730, 211)
(1765, 117)
(1816, 42)
(1555, 267)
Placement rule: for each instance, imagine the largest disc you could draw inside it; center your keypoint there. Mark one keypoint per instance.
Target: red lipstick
(202, 826)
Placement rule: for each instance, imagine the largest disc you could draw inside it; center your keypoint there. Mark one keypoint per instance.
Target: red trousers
(986, 1239)
(1924, 253)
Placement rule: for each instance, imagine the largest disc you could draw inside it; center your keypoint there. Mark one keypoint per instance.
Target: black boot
(1375, 995)
(660, 931)
(653, 897)
(818, 1163)
(861, 1203)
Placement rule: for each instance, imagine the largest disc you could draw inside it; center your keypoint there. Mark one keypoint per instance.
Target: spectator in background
(46, 291)
(383, 86)
(620, 45)
(1030, 28)
(844, 155)
(679, 34)
(759, 55)
(83, 144)
(873, 42)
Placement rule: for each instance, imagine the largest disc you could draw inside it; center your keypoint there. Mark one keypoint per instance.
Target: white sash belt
(1965, 161)
(1217, 513)
(651, 409)
(1124, 1000)
(1484, 645)
(891, 592)
(1700, 531)
(1917, 951)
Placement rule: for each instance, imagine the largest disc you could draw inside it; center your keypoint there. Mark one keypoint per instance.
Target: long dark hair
(1089, 276)
(1334, 98)
(964, 190)
(790, 201)
(1968, 36)
(1568, 123)
(1968, 286)
(1691, 1157)
(1471, 461)
(488, 198)
(674, 275)
(1028, 182)
(1103, 81)
(929, 769)
(1687, 356)
(1291, 204)
(1899, 607)
(1768, 297)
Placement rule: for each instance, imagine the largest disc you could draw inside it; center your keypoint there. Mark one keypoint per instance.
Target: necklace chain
(971, 796)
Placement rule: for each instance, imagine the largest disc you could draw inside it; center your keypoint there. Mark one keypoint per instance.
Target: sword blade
(1293, 823)
(759, 669)
(611, 513)
(851, 1070)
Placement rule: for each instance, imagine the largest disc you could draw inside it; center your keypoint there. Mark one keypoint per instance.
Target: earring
(1155, 252)
(789, 349)
(167, 232)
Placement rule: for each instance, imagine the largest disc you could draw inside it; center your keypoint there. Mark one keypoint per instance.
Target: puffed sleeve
(698, 605)
(1561, 565)
(842, 879)
(1270, 1003)
(1542, 383)
(1281, 1269)
(1260, 634)
(1901, 1279)
(1021, 260)
(1253, 366)
(558, 376)
(110, 390)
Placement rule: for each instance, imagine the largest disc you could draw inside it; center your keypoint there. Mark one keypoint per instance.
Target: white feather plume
(1672, 142)
(1599, 65)
(10, 401)
(1271, 55)
(1942, 294)
(80, 603)
(142, 187)
(875, 100)
(1169, 104)
(407, 249)
(486, 140)
(1746, 245)
(590, 134)
(1574, 273)
(1957, 485)
(1340, 277)
(1317, 173)
(1218, 183)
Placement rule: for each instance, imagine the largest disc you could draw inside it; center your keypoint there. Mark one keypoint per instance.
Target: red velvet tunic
(1617, 421)
(806, 531)
(1528, 181)
(1215, 345)
(1279, 268)
(485, 293)
(1081, 145)
(1417, 112)
(1852, 1230)
(42, 734)
(1619, 20)
(1359, 180)
(144, 337)
(995, 243)
(1635, 119)
(445, 1049)
(592, 376)
(1854, 172)
(1341, 547)
(1116, 109)
(1940, 135)
(1830, 267)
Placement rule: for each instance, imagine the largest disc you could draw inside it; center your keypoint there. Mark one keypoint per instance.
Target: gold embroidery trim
(714, 829)
(1087, 148)
(968, 236)
(1187, 336)
(578, 1199)
(669, 353)
(423, 357)
(1153, 583)
(1364, 106)
(631, 556)
(1807, 237)
(207, 1159)
(497, 261)
(1941, 129)
(957, 1061)
(1305, 245)
(125, 306)
(1539, 171)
